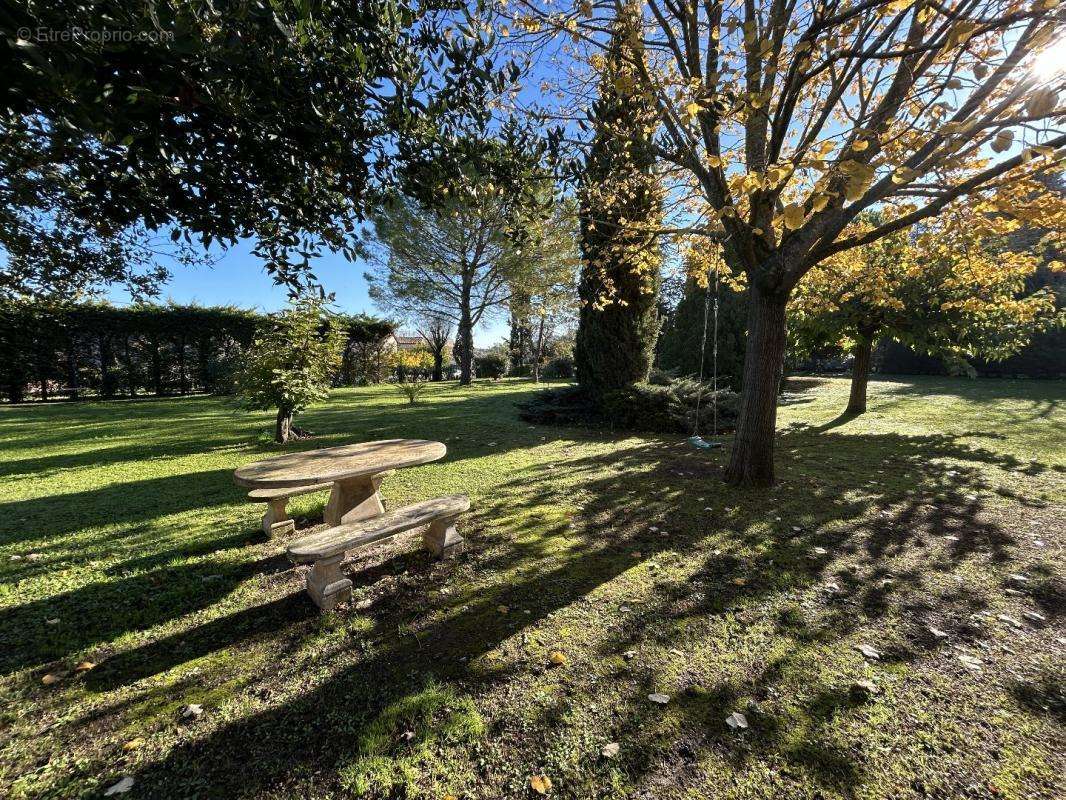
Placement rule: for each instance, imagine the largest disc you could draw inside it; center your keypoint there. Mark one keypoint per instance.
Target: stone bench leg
(354, 499)
(276, 520)
(441, 538)
(327, 585)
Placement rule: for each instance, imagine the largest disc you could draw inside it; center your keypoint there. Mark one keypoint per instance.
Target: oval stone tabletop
(338, 463)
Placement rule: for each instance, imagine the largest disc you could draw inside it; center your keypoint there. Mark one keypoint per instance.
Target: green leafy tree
(291, 362)
(681, 346)
(279, 122)
(543, 286)
(621, 211)
(948, 289)
(451, 262)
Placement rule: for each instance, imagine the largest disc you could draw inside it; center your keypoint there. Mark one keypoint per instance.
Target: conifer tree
(621, 209)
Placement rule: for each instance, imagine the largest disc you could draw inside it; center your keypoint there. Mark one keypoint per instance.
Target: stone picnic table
(355, 470)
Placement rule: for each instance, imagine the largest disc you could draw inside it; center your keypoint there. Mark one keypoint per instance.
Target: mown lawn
(124, 544)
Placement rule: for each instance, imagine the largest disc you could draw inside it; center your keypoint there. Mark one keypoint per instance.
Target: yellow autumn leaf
(84, 666)
(793, 216)
(859, 145)
(541, 784)
(714, 162)
(819, 202)
(558, 658)
(1003, 141)
(692, 109)
(133, 744)
(1042, 102)
(854, 189)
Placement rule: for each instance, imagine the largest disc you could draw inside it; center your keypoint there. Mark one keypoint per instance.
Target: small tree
(436, 333)
(946, 290)
(290, 363)
(415, 367)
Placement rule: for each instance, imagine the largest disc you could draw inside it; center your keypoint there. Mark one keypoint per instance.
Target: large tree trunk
(860, 373)
(465, 336)
(438, 363)
(283, 426)
(751, 462)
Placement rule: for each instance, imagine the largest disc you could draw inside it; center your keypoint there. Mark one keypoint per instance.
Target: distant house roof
(408, 342)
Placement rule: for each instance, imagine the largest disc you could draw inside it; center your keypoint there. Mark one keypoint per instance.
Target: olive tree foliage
(780, 122)
(211, 123)
(291, 362)
(451, 261)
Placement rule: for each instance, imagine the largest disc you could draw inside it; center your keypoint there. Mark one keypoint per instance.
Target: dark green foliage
(652, 408)
(559, 368)
(678, 351)
(1043, 357)
(490, 365)
(621, 208)
(278, 121)
(365, 358)
(93, 349)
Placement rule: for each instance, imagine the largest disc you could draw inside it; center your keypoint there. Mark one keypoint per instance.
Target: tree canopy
(279, 122)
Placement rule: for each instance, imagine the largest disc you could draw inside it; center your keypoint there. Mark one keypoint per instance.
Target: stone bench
(326, 548)
(276, 520)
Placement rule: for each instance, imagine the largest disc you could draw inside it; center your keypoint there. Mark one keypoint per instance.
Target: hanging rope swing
(695, 439)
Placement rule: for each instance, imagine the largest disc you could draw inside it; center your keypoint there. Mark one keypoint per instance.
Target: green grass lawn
(125, 544)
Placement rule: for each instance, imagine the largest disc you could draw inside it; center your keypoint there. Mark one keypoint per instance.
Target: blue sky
(238, 279)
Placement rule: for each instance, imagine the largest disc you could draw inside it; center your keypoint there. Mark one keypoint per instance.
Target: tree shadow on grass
(52, 517)
(100, 612)
(621, 494)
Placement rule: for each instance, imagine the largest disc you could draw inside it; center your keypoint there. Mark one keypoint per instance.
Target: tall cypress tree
(621, 208)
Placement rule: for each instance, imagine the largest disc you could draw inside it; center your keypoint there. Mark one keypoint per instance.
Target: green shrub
(667, 408)
(559, 368)
(490, 365)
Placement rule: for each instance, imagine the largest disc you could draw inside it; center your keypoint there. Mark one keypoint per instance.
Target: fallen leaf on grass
(558, 658)
(121, 787)
(1032, 616)
(863, 689)
(868, 651)
(192, 711)
(937, 633)
(737, 721)
(610, 750)
(52, 678)
(660, 698)
(502, 609)
(133, 744)
(739, 581)
(84, 666)
(541, 784)
(971, 663)
(1016, 623)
